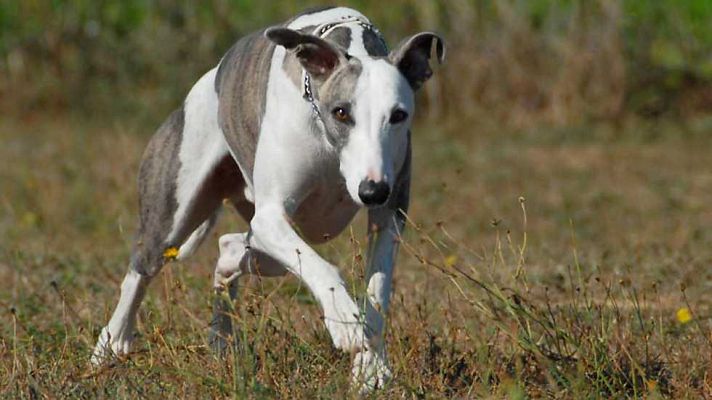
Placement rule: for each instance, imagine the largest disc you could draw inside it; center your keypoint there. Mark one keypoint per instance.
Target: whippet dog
(299, 126)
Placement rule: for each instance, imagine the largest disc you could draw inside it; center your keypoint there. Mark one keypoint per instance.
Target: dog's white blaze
(376, 148)
(331, 15)
(357, 47)
(202, 145)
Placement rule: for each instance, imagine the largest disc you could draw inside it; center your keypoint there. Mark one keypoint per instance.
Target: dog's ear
(318, 57)
(412, 57)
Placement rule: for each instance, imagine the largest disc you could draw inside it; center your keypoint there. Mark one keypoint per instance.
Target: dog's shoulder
(252, 51)
(241, 85)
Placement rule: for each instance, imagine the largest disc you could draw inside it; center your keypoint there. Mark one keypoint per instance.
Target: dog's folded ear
(412, 57)
(318, 57)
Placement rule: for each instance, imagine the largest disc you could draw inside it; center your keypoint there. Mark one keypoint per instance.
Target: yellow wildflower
(652, 384)
(171, 253)
(450, 260)
(684, 315)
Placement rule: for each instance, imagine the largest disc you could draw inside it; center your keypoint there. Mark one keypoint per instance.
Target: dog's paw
(232, 250)
(346, 333)
(347, 330)
(108, 348)
(220, 342)
(369, 371)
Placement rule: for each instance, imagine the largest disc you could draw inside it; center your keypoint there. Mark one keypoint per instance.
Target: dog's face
(367, 110)
(366, 104)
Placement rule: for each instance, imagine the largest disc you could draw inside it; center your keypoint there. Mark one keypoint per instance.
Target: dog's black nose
(373, 193)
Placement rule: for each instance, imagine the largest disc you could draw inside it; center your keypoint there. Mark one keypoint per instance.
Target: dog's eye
(398, 116)
(341, 114)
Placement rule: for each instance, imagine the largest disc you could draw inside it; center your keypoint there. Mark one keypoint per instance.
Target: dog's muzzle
(373, 193)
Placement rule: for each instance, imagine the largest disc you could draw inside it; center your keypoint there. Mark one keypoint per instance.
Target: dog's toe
(346, 335)
(370, 371)
(108, 348)
(345, 326)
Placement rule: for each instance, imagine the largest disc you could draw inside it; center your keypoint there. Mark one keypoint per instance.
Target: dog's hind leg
(236, 258)
(185, 174)
(226, 280)
(233, 250)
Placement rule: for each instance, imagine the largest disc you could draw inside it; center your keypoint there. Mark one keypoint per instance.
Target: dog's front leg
(370, 368)
(385, 226)
(272, 234)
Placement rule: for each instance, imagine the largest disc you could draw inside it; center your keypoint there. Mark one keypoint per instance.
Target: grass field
(560, 234)
(547, 262)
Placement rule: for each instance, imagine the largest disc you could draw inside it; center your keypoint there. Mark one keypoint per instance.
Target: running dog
(299, 126)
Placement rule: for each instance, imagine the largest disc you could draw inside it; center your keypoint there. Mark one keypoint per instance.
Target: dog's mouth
(348, 194)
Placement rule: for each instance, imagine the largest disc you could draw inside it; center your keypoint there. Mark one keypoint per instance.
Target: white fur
(380, 273)
(191, 244)
(357, 47)
(376, 148)
(274, 236)
(203, 144)
(116, 337)
(370, 370)
(232, 249)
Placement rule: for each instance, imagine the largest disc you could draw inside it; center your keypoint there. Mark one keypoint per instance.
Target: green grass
(569, 292)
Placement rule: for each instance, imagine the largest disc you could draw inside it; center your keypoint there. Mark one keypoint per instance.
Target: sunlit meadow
(558, 245)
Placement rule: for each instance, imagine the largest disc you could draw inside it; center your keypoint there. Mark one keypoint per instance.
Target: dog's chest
(325, 212)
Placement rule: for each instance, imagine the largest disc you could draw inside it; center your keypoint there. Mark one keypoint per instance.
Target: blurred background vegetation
(521, 63)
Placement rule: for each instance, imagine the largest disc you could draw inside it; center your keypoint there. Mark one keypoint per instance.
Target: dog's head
(366, 104)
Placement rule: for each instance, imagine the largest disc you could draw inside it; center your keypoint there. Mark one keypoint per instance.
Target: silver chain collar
(309, 96)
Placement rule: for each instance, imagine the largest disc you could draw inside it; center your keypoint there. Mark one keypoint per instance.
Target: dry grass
(569, 292)
(577, 300)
